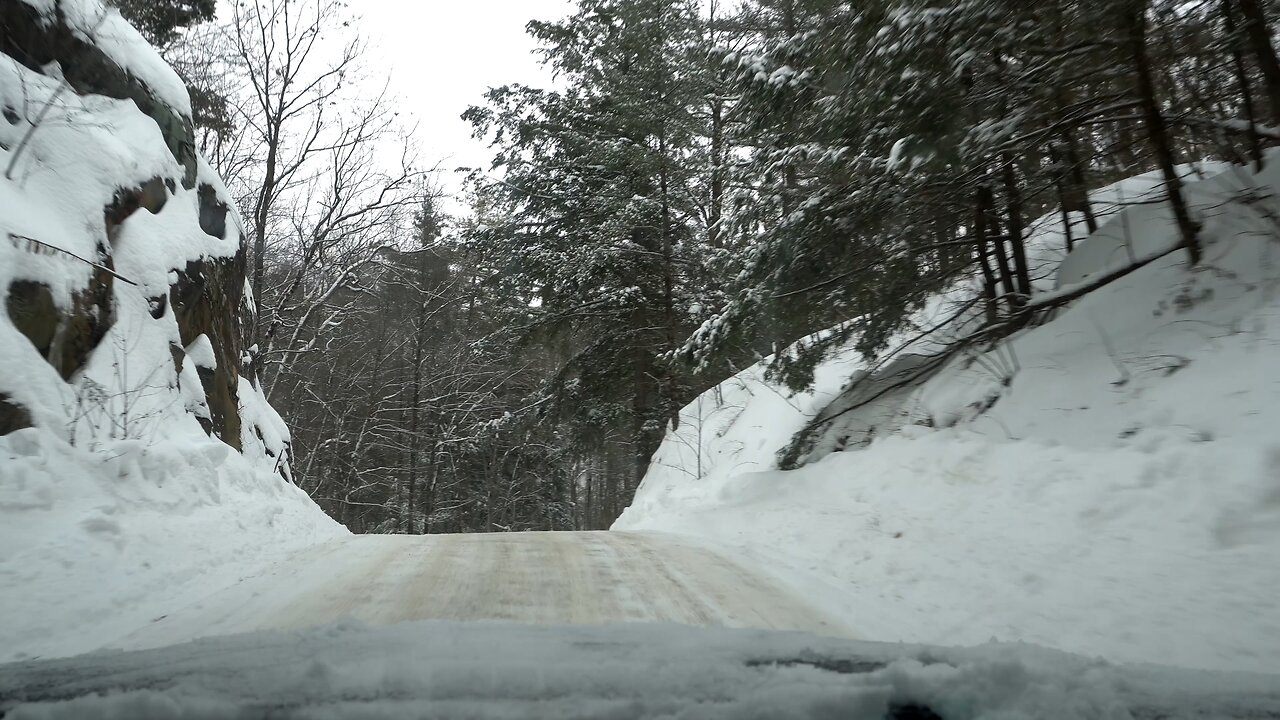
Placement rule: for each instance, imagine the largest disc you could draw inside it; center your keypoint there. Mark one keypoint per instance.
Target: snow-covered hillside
(1105, 483)
(135, 456)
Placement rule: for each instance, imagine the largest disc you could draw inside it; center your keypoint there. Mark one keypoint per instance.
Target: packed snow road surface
(545, 578)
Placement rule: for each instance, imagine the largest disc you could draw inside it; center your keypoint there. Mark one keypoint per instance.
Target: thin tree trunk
(1242, 79)
(986, 200)
(416, 384)
(1136, 22)
(715, 213)
(1080, 189)
(573, 503)
(984, 260)
(1064, 206)
(790, 180)
(1074, 190)
(1013, 205)
(590, 504)
(429, 492)
(715, 210)
(1259, 33)
(262, 213)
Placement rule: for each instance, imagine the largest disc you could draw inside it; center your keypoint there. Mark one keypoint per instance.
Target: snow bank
(492, 670)
(94, 545)
(1107, 483)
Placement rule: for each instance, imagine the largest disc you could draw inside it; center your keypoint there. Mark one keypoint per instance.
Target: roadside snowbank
(94, 545)
(1119, 496)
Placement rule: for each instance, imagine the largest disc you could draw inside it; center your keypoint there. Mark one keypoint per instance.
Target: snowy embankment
(96, 545)
(1107, 483)
(138, 466)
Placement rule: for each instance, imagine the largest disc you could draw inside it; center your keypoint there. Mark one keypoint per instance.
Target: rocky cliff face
(122, 259)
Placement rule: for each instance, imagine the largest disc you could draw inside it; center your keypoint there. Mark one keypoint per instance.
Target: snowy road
(545, 578)
(580, 653)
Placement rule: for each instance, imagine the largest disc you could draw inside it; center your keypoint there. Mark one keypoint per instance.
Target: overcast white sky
(443, 54)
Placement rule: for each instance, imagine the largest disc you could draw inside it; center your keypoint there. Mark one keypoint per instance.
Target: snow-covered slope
(134, 455)
(1106, 483)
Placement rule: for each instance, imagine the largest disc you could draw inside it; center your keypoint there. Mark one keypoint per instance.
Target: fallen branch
(1055, 299)
(16, 239)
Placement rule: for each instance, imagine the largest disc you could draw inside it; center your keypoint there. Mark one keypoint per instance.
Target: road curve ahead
(543, 578)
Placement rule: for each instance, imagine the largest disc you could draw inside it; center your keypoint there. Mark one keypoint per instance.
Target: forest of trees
(709, 182)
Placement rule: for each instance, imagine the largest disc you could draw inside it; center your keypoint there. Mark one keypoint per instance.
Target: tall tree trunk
(429, 489)
(588, 514)
(715, 209)
(1013, 206)
(261, 215)
(1135, 22)
(416, 394)
(790, 180)
(1060, 183)
(491, 489)
(669, 320)
(1074, 189)
(1259, 33)
(1242, 80)
(986, 200)
(984, 259)
(573, 503)
(646, 409)
(1080, 186)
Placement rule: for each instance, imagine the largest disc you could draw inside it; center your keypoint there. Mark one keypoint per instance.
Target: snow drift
(132, 441)
(1105, 483)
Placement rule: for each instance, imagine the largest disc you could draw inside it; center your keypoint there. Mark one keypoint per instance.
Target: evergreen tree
(600, 213)
(160, 21)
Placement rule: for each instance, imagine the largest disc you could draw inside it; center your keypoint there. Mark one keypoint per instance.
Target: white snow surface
(549, 578)
(94, 545)
(1120, 497)
(499, 670)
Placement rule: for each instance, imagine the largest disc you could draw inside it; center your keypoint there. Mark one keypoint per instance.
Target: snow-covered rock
(135, 455)
(120, 247)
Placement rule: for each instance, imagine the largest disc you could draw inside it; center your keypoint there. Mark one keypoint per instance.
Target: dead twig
(18, 239)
